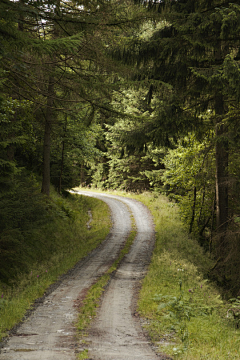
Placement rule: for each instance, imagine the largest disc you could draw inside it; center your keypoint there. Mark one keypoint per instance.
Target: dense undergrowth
(42, 238)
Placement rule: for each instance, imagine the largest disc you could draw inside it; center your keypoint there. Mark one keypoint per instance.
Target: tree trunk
(21, 17)
(62, 160)
(221, 170)
(82, 175)
(193, 209)
(47, 139)
(202, 204)
(212, 222)
(61, 171)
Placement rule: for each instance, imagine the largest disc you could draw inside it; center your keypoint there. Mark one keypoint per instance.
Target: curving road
(116, 334)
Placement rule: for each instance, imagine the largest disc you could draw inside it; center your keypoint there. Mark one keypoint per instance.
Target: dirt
(49, 332)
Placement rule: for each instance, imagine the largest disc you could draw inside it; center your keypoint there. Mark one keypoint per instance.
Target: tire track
(116, 333)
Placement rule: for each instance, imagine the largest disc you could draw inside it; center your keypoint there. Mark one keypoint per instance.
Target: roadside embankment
(183, 311)
(180, 308)
(51, 245)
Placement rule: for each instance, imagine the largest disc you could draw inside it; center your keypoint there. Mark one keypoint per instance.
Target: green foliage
(74, 148)
(126, 173)
(180, 309)
(190, 62)
(189, 178)
(14, 122)
(234, 310)
(83, 355)
(126, 163)
(58, 56)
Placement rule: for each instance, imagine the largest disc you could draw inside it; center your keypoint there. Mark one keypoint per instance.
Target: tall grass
(58, 245)
(185, 314)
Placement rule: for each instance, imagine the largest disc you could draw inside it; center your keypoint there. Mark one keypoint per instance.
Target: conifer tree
(62, 58)
(195, 50)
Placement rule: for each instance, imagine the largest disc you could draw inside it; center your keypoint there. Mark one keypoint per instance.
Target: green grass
(67, 240)
(190, 325)
(83, 355)
(183, 312)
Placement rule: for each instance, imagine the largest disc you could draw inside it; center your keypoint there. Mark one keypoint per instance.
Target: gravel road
(48, 333)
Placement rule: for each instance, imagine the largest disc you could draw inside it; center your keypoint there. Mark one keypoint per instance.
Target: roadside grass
(65, 240)
(185, 314)
(181, 310)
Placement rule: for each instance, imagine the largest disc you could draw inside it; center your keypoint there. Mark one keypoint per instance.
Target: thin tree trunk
(221, 170)
(61, 171)
(21, 18)
(201, 209)
(212, 222)
(193, 209)
(48, 123)
(62, 160)
(204, 226)
(82, 175)
(47, 139)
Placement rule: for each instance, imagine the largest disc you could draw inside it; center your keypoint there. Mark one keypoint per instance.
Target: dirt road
(48, 334)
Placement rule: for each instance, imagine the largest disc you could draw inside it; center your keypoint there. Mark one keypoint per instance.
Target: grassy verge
(184, 312)
(63, 241)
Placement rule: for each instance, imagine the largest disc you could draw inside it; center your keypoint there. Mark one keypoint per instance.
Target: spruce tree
(195, 50)
(57, 57)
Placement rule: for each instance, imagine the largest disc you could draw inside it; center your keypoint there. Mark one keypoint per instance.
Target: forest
(131, 95)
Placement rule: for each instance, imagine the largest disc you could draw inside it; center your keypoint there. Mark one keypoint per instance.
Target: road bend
(49, 332)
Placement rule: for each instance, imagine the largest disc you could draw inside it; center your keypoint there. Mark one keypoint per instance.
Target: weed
(3, 303)
(83, 355)
(234, 311)
(180, 309)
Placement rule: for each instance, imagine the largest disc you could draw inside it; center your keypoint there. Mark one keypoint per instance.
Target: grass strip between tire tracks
(88, 308)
